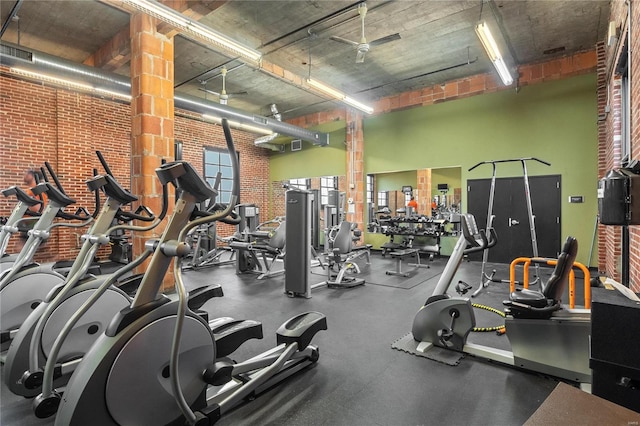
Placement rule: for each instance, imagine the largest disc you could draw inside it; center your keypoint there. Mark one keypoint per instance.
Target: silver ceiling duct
(265, 141)
(38, 62)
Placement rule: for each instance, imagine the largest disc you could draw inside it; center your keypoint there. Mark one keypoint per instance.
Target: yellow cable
(499, 328)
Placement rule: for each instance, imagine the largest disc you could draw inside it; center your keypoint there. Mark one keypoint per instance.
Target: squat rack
(485, 279)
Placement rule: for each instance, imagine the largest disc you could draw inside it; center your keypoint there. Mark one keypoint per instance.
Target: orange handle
(512, 273)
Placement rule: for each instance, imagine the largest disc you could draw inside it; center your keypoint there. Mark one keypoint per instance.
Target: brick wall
(609, 134)
(65, 128)
(44, 124)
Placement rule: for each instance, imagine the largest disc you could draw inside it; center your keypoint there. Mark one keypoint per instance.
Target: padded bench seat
(399, 255)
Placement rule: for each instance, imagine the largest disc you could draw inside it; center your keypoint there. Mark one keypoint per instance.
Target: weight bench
(399, 255)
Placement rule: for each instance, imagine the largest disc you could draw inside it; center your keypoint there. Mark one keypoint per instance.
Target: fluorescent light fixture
(55, 80)
(490, 46)
(359, 105)
(238, 126)
(327, 90)
(68, 83)
(335, 93)
(194, 29)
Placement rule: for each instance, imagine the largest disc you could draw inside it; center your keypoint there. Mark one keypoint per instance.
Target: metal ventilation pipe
(102, 81)
(264, 141)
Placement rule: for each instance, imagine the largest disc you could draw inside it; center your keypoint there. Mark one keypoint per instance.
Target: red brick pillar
(151, 115)
(355, 168)
(423, 191)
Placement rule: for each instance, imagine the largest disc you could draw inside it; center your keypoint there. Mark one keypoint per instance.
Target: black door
(511, 220)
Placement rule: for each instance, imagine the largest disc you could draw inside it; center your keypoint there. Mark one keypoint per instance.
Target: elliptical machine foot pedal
(45, 407)
(208, 415)
(201, 295)
(301, 329)
(230, 333)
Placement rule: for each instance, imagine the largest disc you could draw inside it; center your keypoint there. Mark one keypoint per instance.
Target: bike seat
(529, 297)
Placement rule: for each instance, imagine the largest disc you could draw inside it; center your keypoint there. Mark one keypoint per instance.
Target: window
(301, 183)
(370, 189)
(625, 125)
(383, 199)
(327, 184)
(622, 70)
(219, 160)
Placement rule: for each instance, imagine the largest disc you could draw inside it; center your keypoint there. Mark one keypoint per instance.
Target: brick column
(355, 168)
(151, 115)
(423, 191)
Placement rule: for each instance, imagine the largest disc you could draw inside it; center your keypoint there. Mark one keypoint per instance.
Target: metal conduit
(38, 62)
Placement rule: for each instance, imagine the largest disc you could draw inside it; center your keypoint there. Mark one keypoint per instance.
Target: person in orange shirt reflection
(413, 204)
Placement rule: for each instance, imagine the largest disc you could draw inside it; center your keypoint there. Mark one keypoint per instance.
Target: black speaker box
(615, 328)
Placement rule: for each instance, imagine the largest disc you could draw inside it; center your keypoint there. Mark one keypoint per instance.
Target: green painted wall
(555, 121)
(313, 161)
(395, 181)
(451, 176)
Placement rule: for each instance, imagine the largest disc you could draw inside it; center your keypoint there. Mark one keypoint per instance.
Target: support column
(423, 191)
(151, 116)
(355, 168)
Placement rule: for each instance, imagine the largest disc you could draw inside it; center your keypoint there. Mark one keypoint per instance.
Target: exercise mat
(445, 356)
(416, 276)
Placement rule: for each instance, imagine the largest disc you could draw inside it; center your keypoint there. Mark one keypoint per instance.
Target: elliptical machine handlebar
(81, 213)
(148, 217)
(54, 177)
(176, 388)
(142, 213)
(105, 166)
(126, 216)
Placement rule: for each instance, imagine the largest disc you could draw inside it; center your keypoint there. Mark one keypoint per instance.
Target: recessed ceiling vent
(16, 53)
(554, 50)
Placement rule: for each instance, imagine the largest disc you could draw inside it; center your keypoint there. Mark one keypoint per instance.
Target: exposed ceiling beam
(264, 66)
(117, 51)
(114, 53)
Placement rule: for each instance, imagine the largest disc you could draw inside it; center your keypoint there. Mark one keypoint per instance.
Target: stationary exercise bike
(156, 362)
(32, 345)
(545, 335)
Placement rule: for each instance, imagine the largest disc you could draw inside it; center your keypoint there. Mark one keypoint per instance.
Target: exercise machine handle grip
(148, 215)
(104, 163)
(54, 177)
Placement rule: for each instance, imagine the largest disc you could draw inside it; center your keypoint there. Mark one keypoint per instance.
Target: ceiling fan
(363, 47)
(223, 95)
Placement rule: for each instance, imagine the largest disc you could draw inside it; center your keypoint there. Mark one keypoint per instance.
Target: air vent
(296, 145)
(554, 50)
(16, 53)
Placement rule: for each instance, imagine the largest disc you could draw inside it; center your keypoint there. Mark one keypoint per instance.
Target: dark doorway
(511, 219)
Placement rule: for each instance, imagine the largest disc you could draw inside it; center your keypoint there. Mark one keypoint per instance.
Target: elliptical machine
(26, 284)
(156, 361)
(545, 336)
(33, 344)
(25, 201)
